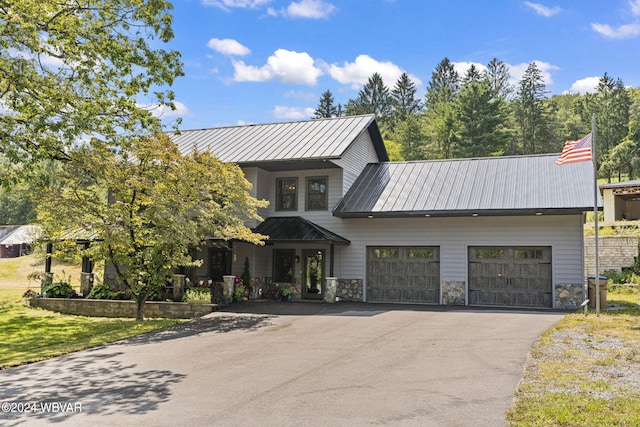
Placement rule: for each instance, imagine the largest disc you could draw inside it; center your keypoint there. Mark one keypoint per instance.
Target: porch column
(178, 286)
(86, 276)
(228, 288)
(330, 289)
(47, 276)
(47, 260)
(331, 258)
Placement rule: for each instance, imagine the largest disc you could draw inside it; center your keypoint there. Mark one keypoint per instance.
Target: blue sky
(257, 61)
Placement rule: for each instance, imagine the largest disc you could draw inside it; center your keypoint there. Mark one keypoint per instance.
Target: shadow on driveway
(98, 382)
(209, 323)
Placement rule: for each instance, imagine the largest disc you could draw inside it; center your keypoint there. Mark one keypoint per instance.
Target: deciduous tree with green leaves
(411, 137)
(622, 159)
(147, 205)
(83, 69)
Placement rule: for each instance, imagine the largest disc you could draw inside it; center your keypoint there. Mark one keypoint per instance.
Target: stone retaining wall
(614, 253)
(109, 308)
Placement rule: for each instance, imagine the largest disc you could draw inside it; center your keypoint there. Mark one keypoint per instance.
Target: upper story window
(287, 194)
(317, 194)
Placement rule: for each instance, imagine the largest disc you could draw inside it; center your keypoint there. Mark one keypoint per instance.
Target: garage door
(403, 274)
(510, 276)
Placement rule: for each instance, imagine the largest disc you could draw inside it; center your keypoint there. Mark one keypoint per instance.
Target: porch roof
(295, 229)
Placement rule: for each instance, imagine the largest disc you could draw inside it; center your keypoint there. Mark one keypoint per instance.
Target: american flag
(575, 151)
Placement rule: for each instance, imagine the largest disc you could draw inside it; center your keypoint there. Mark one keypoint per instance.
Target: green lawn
(29, 335)
(585, 371)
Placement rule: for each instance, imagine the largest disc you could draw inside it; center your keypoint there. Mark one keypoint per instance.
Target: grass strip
(585, 371)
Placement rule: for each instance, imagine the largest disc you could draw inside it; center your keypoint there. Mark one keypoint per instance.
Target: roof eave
(315, 241)
(467, 213)
(378, 141)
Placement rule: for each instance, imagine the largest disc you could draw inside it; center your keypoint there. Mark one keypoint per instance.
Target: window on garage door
(403, 274)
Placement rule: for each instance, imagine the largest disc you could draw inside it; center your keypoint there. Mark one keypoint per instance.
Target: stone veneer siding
(569, 296)
(453, 292)
(109, 308)
(614, 253)
(350, 290)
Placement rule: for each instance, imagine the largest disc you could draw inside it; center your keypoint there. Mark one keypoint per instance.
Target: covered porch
(621, 201)
(300, 255)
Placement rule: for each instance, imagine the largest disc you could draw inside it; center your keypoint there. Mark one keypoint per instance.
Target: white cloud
(358, 72)
(545, 68)
(228, 47)
(284, 65)
(227, 5)
(283, 112)
(310, 9)
(543, 10)
(586, 85)
(162, 111)
(621, 32)
(462, 67)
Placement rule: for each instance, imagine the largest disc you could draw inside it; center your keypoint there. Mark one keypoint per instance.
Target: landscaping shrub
(197, 295)
(619, 277)
(104, 291)
(60, 289)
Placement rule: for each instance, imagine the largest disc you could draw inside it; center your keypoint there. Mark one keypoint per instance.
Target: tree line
(482, 114)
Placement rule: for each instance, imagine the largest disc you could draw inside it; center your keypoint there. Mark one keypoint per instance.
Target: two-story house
(504, 231)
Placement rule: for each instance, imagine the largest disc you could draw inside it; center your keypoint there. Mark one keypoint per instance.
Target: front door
(313, 273)
(219, 263)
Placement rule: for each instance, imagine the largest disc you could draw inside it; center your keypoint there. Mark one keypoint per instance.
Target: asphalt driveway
(290, 364)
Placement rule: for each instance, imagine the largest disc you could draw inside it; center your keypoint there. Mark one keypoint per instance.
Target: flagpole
(595, 209)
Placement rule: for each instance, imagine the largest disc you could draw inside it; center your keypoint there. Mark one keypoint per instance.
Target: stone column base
(330, 289)
(86, 283)
(178, 286)
(453, 293)
(569, 296)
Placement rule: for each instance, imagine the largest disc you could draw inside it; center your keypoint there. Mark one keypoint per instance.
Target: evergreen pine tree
(403, 98)
(373, 98)
(531, 113)
(326, 108)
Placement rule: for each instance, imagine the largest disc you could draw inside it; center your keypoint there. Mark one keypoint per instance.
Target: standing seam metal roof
(311, 139)
(493, 185)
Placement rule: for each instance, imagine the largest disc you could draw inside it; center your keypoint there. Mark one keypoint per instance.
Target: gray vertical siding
(455, 235)
(353, 161)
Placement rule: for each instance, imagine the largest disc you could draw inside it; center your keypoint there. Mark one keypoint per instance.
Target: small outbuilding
(16, 240)
(621, 201)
